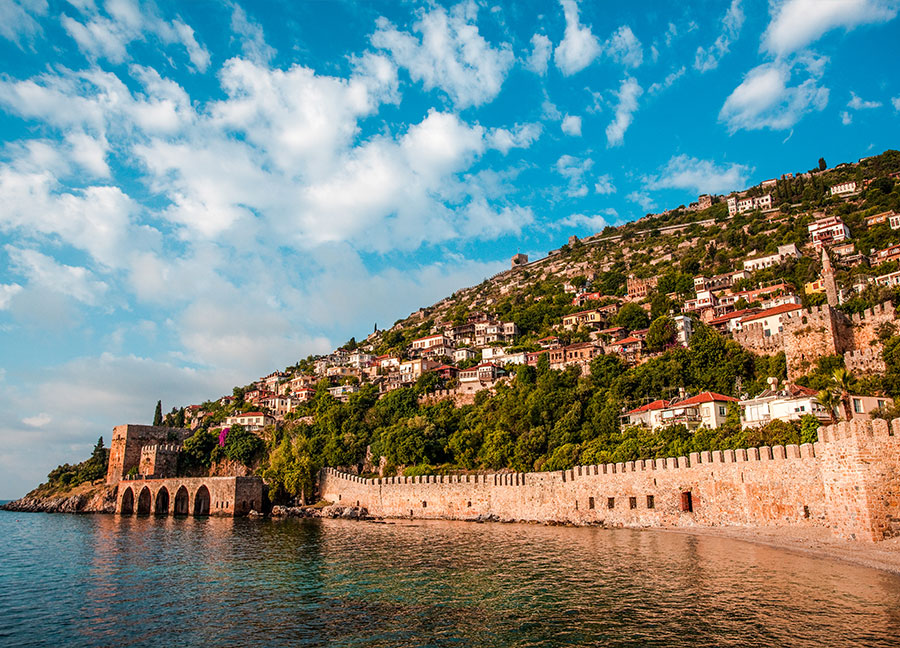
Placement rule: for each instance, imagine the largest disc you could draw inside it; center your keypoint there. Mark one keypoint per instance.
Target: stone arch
(201, 501)
(143, 503)
(161, 506)
(127, 506)
(182, 502)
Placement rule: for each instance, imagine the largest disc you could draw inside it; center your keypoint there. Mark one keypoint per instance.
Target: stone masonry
(849, 481)
(819, 331)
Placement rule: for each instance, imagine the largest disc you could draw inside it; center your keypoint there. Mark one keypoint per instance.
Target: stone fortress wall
(849, 481)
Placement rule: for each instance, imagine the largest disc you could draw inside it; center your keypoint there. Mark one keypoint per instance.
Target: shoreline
(818, 543)
(815, 542)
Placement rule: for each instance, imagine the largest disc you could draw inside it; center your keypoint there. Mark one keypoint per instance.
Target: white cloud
(643, 199)
(7, 292)
(666, 83)
(17, 18)
(708, 59)
(38, 420)
(627, 95)
(896, 103)
(604, 185)
(624, 47)
(41, 270)
(574, 169)
(520, 136)
(571, 125)
(765, 100)
(699, 176)
(451, 54)
(846, 118)
(109, 34)
(541, 50)
(797, 23)
(253, 41)
(579, 47)
(594, 222)
(856, 103)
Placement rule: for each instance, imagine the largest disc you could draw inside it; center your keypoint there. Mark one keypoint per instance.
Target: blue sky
(193, 194)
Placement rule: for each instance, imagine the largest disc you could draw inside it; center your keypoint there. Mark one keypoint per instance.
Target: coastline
(812, 541)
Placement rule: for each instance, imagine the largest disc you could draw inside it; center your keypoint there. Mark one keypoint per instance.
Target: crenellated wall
(793, 485)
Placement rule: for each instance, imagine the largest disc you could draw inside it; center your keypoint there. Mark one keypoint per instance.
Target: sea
(102, 580)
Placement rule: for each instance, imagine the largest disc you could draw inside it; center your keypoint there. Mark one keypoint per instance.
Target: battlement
(865, 361)
(164, 448)
(883, 312)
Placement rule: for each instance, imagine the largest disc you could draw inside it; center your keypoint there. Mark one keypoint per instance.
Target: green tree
(242, 446)
(661, 334)
(632, 317)
(829, 401)
(843, 384)
(822, 165)
(158, 416)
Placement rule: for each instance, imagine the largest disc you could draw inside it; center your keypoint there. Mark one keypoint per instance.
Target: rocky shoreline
(94, 500)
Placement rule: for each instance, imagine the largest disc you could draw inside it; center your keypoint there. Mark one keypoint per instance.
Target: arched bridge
(223, 496)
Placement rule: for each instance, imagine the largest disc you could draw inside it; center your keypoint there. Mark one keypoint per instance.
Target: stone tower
(831, 291)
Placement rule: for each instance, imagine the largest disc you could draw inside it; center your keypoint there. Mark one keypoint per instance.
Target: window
(857, 406)
(650, 503)
(610, 502)
(590, 502)
(632, 502)
(424, 504)
(722, 410)
(687, 502)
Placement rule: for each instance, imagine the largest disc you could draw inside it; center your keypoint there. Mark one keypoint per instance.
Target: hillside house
(843, 188)
(828, 230)
(252, 421)
(784, 252)
(786, 403)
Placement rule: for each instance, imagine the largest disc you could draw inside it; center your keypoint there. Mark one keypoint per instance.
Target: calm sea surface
(101, 581)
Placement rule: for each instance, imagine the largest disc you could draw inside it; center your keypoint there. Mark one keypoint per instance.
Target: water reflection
(107, 581)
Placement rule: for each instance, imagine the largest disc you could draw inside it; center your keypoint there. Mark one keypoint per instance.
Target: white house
(828, 230)
(684, 329)
(787, 403)
(252, 421)
(770, 319)
(463, 354)
(843, 188)
(784, 252)
(707, 410)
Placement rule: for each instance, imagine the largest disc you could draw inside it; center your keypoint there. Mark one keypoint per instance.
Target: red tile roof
(249, 414)
(705, 397)
(629, 340)
(729, 316)
(769, 312)
(655, 405)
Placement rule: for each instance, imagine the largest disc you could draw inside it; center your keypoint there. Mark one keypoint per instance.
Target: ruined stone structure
(159, 460)
(849, 481)
(222, 496)
(127, 443)
(150, 452)
(812, 333)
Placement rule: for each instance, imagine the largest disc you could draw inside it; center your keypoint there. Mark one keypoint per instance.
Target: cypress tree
(157, 417)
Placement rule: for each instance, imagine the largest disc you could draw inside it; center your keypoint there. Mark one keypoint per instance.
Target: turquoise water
(105, 581)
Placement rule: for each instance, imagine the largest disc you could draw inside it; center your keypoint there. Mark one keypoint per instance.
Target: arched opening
(143, 507)
(182, 502)
(201, 501)
(127, 507)
(162, 502)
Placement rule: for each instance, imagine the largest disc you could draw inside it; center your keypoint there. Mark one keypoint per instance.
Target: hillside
(563, 360)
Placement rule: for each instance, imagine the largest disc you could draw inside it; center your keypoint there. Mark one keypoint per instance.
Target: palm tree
(842, 380)
(829, 401)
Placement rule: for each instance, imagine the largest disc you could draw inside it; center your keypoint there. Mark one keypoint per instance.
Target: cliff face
(87, 498)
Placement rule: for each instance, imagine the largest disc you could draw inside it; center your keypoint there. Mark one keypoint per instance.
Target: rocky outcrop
(333, 512)
(99, 500)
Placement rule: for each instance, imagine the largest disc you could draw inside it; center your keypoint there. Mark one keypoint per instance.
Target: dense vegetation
(67, 476)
